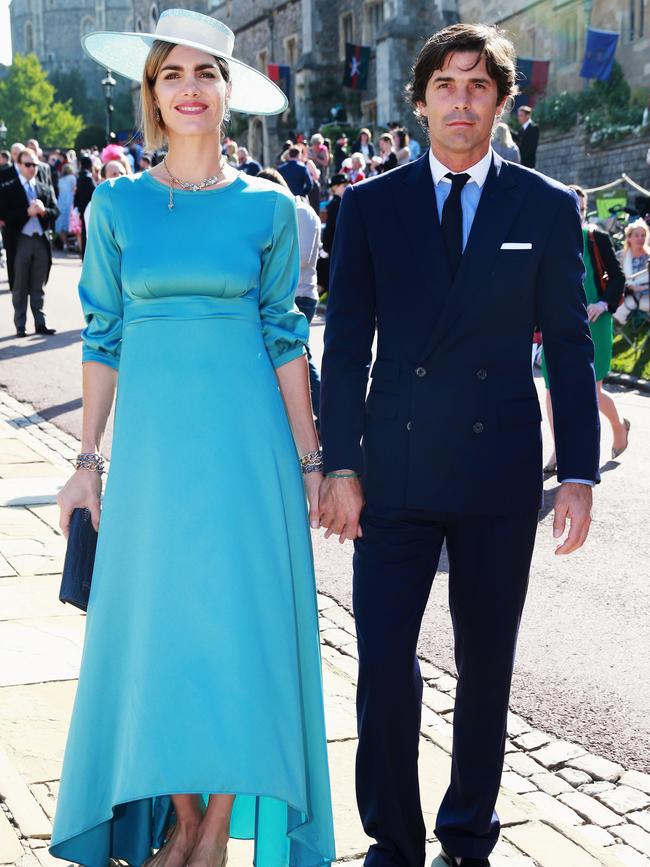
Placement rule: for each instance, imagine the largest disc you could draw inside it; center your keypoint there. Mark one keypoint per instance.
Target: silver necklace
(184, 185)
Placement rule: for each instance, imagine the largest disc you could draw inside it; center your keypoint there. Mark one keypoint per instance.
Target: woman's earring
(226, 115)
(158, 116)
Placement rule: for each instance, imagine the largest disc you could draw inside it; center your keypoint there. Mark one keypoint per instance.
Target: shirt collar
(526, 125)
(477, 173)
(25, 182)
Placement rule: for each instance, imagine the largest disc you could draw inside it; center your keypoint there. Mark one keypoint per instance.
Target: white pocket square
(515, 245)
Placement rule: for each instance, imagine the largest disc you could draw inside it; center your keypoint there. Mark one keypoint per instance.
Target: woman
(364, 145)
(401, 142)
(387, 153)
(634, 259)
(314, 174)
(320, 156)
(602, 301)
(504, 144)
(357, 169)
(67, 187)
(199, 707)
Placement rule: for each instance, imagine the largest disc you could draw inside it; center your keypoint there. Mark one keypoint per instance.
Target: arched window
(153, 15)
(29, 37)
(139, 26)
(87, 25)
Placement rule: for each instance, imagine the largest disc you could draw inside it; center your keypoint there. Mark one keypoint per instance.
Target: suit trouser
(30, 273)
(394, 565)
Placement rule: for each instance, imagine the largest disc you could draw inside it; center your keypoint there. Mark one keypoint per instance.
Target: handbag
(79, 560)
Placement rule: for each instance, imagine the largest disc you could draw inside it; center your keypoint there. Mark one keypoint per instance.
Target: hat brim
(126, 53)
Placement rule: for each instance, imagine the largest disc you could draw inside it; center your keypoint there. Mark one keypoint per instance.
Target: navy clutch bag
(79, 560)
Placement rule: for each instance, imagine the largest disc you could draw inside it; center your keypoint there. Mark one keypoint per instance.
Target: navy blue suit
(448, 444)
(297, 176)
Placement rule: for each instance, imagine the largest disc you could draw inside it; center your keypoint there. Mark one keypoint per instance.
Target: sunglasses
(29, 165)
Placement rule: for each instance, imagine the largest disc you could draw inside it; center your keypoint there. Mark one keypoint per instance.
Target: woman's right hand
(81, 491)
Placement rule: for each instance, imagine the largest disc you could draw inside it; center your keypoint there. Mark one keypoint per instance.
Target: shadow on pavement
(50, 412)
(18, 347)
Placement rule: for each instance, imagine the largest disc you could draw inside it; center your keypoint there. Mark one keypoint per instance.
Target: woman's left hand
(312, 486)
(595, 310)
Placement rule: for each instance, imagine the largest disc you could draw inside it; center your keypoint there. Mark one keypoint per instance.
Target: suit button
(478, 427)
(409, 425)
(420, 371)
(481, 374)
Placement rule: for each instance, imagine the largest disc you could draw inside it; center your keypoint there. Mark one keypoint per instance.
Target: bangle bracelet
(312, 462)
(350, 475)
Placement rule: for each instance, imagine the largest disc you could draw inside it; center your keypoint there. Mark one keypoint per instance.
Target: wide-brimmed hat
(126, 53)
(339, 178)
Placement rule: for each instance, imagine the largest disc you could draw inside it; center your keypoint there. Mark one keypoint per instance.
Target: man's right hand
(341, 502)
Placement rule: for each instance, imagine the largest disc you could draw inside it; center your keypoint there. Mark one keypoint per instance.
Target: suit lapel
(417, 199)
(498, 207)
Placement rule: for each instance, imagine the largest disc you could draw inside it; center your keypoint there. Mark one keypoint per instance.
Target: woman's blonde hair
(502, 134)
(151, 123)
(631, 227)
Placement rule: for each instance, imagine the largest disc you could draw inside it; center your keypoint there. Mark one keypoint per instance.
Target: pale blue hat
(126, 53)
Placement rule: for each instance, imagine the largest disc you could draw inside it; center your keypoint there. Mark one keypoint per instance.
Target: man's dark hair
(293, 152)
(6, 155)
(85, 164)
(274, 176)
(487, 41)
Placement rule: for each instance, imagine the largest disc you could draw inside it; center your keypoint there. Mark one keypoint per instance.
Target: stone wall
(570, 160)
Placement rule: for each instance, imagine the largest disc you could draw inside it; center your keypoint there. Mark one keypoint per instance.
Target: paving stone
(337, 637)
(446, 683)
(633, 836)
(36, 596)
(324, 602)
(343, 663)
(340, 617)
(590, 809)
(522, 764)
(628, 856)
(574, 777)
(596, 835)
(6, 571)
(34, 723)
(40, 649)
(440, 702)
(624, 799)
(551, 783)
(49, 514)
(10, 847)
(517, 726)
(557, 753)
(514, 783)
(340, 711)
(44, 796)
(636, 780)
(429, 671)
(548, 847)
(594, 789)
(27, 814)
(17, 522)
(38, 470)
(35, 556)
(553, 809)
(642, 818)
(531, 740)
(597, 767)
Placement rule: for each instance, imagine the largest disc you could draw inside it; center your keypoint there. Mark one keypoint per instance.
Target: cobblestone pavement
(560, 805)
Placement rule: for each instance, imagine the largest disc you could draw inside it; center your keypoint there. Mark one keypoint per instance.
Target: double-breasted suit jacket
(452, 419)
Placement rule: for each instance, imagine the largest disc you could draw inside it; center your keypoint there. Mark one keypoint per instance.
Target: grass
(634, 360)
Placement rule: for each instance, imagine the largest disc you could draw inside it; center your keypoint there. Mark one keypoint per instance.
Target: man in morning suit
(295, 173)
(527, 137)
(29, 210)
(452, 258)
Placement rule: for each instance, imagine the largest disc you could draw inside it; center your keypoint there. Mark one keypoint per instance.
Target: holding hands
(341, 502)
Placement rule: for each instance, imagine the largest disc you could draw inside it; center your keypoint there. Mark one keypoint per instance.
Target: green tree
(29, 107)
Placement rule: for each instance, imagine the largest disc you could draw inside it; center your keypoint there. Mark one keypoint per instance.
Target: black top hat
(339, 178)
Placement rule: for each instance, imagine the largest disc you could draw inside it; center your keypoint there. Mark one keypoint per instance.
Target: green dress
(201, 668)
(602, 330)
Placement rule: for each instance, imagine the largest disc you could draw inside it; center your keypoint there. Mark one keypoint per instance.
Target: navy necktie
(452, 221)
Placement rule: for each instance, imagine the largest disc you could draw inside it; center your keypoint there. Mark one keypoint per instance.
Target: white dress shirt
(33, 224)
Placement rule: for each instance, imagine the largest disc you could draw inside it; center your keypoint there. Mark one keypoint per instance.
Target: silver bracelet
(90, 461)
(312, 462)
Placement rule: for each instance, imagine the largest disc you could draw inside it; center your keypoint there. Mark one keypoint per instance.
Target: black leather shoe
(42, 329)
(20, 332)
(464, 862)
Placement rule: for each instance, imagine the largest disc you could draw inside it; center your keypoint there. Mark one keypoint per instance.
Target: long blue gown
(201, 664)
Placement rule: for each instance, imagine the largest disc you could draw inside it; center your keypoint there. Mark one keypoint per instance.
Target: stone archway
(256, 139)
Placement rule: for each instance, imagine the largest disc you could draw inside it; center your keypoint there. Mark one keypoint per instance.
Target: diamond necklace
(184, 185)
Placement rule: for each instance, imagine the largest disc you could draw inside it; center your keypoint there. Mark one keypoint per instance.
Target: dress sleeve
(100, 287)
(284, 328)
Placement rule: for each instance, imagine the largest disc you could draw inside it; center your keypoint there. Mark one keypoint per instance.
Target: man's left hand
(573, 502)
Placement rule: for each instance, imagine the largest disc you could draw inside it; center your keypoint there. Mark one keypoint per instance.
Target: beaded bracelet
(312, 462)
(90, 461)
(350, 475)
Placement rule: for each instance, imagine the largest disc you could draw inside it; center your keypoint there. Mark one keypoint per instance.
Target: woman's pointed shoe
(616, 453)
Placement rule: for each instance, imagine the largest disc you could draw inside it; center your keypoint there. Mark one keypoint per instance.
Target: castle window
(263, 61)
(346, 32)
(153, 16)
(29, 37)
(373, 18)
(568, 40)
(87, 25)
(291, 51)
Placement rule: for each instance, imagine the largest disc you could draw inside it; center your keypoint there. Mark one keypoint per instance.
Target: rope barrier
(624, 179)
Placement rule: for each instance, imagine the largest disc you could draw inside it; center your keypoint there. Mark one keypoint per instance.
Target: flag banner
(357, 60)
(532, 78)
(281, 75)
(600, 48)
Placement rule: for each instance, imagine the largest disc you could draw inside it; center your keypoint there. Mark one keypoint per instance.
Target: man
(5, 160)
(527, 137)
(30, 210)
(453, 258)
(246, 163)
(338, 184)
(296, 173)
(43, 172)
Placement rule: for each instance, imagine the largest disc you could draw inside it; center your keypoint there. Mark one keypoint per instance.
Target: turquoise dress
(201, 666)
